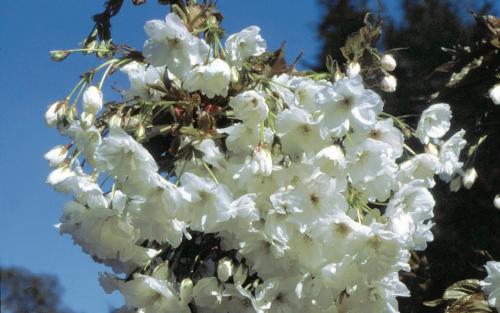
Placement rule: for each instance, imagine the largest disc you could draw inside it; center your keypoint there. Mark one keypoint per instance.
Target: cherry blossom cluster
(284, 192)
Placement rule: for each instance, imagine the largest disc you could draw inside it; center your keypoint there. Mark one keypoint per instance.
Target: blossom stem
(222, 51)
(115, 62)
(409, 149)
(88, 50)
(75, 88)
(210, 172)
(75, 101)
(113, 190)
(360, 218)
(270, 81)
(103, 65)
(399, 121)
(378, 203)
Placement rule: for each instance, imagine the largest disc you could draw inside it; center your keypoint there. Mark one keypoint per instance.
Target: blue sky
(29, 82)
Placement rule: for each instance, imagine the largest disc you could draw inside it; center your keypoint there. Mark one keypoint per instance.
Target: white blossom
(422, 166)
(388, 62)
(225, 268)
(211, 79)
(496, 201)
(305, 92)
(92, 100)
(434, 122)
(244, 44)
(106, 235)
(494, 94)
(148, 294)
(262, 163)
(244, 138)
(389, 83)
(58, 177)
(331, 160)
(347, 105)
(449, 155)
(122, 156)
(55, 112)
(56, 155)
(299, 132)
(409, 212)
(250, 107)
(171, 44)
(491, 284)
(211, 153)
(353, 69)
(142, 77)
(207, 293)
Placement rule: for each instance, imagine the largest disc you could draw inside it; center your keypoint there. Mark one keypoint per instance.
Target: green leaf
(473, 303)
(434, 303)
(461, 289)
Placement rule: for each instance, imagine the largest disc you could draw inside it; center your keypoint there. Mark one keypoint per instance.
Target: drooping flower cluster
(222, 184)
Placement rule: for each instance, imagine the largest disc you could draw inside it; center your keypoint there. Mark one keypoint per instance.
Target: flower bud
(388, 62)
(496, 201)
(91, 45)
(103, 49)
(140, 132)
(92, 99)
(70, 115)
(389, 83)
(59, 55)
(240, 275)
(235, 76)
(87, 120)
(56, 155)
(469, 178)
(338, 76)
(225, 269)
(186, 291)
(494, 94)
(55, 113)
(353, 69)
(456, 184)
(262, 163)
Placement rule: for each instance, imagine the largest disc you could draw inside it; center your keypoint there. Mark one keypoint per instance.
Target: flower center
(306, 129)
(314, 199)
(342, 229)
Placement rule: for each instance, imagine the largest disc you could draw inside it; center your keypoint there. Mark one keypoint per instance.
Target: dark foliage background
(467, 231)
